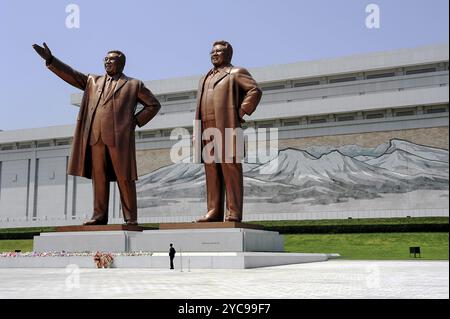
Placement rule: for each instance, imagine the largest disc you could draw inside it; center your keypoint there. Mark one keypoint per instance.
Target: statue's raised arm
(65, 72)
(44, 52)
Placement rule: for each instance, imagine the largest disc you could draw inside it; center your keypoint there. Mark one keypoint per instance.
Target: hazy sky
(172, 38)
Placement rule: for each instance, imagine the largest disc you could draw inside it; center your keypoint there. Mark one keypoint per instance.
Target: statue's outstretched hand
(44, 52)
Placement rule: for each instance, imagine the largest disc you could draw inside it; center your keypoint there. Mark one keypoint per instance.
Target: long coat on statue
(234, 89)
(128, 92)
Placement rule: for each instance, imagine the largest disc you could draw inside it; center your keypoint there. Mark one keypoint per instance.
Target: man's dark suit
(172, 253)
(104, 143)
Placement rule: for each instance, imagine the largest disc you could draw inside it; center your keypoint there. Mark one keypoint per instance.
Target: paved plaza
(330, 279)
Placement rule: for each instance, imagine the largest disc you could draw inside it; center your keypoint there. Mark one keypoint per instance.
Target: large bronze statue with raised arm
(103, 146)
(225, 94)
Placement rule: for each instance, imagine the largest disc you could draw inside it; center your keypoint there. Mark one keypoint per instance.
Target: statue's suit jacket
(128, 92)
(234, 89)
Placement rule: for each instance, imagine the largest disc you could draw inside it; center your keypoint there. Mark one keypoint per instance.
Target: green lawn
(393, 246)
(11, 245)
(372, 246)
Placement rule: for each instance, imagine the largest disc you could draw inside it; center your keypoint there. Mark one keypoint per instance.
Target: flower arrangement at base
(103, 260)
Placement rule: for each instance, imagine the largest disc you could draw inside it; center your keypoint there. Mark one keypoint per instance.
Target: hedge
(345, 229)
(289, 229)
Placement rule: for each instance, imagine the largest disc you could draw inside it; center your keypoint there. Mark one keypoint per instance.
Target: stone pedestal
(208, 240)
(186, 240)
(106, 241)
(198, 245)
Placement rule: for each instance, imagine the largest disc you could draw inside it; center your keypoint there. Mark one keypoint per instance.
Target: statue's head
(114, 62)
(221, 53)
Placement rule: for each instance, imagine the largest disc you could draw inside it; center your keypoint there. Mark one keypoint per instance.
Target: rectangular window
(6, 147)
(291, 123)
(339, 80)
(148, 135)
(317, 121)
(418, 71)
(178, 98)
(374, 116)
(302, 84)
(24, 146)
(436, 110)
(404, 113)
(381, 75)
(61, 143)
(265, 125)
(274, 87)
(344, 118)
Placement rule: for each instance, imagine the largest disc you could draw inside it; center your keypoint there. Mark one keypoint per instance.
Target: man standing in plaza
(225, 94)
(103, 147)
(172, 253)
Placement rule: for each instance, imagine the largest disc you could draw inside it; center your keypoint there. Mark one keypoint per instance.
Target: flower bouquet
(103, 260)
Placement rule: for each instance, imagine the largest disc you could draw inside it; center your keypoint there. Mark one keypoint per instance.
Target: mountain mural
(407, 163)
(318, 175)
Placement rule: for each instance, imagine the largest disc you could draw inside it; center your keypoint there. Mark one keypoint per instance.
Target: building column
(32, 187)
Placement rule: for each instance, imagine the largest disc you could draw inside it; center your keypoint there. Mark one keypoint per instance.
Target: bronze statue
(225, 94)
(103, 146)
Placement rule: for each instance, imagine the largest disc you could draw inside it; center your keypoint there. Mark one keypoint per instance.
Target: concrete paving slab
(331, 279)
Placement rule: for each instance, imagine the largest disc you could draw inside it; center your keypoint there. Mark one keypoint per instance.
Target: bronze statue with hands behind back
(225, 95)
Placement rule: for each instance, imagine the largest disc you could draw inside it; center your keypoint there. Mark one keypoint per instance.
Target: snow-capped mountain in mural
(426, 152)
(407, 163)
(319, 175)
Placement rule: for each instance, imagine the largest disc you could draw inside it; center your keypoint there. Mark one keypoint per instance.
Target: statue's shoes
(206, 219)
(211, 216)
(94, 222)
(232, 218)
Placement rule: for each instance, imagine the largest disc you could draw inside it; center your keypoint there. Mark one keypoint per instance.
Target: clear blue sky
(170, 38)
